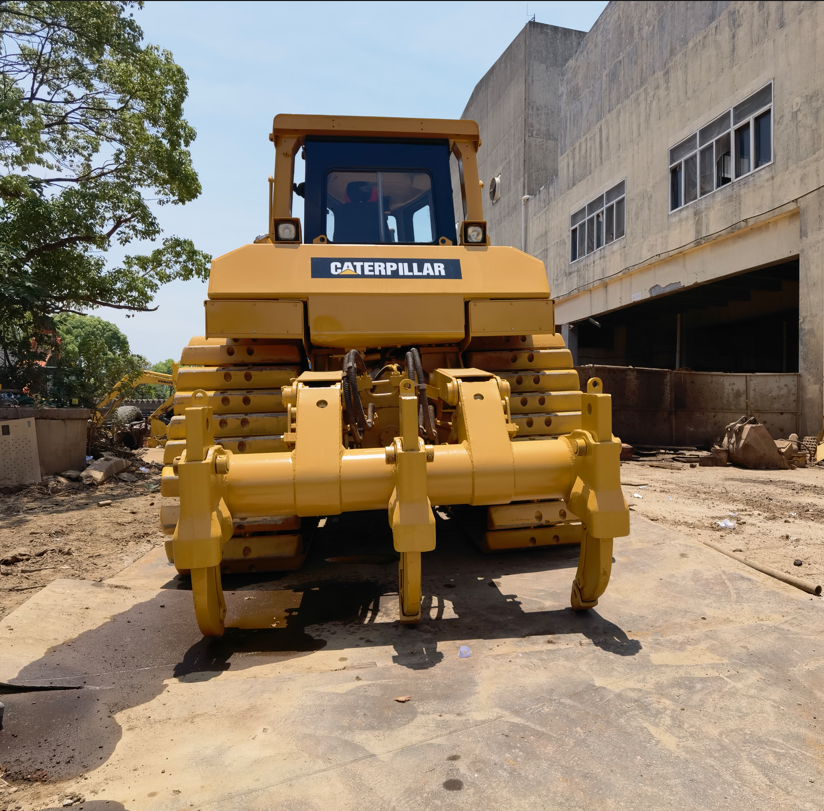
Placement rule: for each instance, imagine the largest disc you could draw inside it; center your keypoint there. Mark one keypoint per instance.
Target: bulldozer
(374, 354)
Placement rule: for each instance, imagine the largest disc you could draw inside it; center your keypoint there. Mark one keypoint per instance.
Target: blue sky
(248, 61)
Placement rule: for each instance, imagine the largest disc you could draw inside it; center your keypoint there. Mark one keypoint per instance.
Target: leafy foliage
(94, 356)
(91, 127)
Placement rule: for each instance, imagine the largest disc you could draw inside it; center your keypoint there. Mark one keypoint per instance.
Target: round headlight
(474, 233)
(287, 231)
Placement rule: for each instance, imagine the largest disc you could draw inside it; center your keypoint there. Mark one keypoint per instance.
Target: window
(598, 223)
(740, 139)
(385, 207)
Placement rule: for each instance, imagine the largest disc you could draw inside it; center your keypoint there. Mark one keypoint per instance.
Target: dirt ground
(59, 530)
(778, 514)
(66, 534)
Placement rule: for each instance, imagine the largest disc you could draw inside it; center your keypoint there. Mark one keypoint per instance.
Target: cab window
(384, 207)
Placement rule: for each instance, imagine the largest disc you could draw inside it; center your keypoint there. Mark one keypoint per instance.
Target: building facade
(673, 161)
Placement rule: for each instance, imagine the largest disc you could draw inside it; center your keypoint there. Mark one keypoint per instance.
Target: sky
(246, 62)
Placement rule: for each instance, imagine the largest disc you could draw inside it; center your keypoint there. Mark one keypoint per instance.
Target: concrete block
(102, 469)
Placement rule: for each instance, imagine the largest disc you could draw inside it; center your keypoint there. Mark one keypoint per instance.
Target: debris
(15, 556)
(103, 469)
(71, 475)
(722, 455)
(626, 452)
(734, 515)
(127, 477)
(402, 699)
(637, 495)
(106, 503)
(464, 652)
(750, 445)
(726, 524)
(798, 562)
(804, 585)
(143, 469)
(710, 460)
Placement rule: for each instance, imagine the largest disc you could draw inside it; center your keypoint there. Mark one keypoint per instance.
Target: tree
(91, 126)
(94, 356)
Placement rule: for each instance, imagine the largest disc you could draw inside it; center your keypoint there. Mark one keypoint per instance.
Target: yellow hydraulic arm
(118, 394)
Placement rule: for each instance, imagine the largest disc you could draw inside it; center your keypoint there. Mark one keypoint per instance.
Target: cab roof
(287, 124)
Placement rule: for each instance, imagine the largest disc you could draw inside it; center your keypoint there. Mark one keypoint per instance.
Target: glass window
(706, 177)
(380, 207)
(757, 101)
(578, 216)
(709, 133)
(691, 178)
(675, 187)
(615, 192)
(723, 161)
(742, 150)
(619, 217)
(683, 149)
(599, 223)
(330, 224)
(729, 147)
(422, 225)
(609, 224)
(763, 139)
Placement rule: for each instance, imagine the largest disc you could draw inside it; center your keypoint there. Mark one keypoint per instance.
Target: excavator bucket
(375, 355)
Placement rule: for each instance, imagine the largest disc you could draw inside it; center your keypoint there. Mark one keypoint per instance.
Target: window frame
(732, 131)
(592, 217)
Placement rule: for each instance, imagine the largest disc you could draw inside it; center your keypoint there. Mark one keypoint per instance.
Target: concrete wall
(517, 104)
(61, 443)
(38, 442)
(669, 408)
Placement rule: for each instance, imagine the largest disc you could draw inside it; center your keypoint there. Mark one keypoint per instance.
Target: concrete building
(673, 157)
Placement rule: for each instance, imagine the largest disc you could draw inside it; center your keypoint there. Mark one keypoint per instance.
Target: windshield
(379, 207)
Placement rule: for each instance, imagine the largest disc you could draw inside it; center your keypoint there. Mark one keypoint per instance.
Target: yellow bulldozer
(375, 355)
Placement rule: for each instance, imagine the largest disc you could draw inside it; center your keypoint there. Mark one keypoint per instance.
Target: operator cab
(377, 191)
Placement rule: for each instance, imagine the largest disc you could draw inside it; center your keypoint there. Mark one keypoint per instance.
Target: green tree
(93, 357)
(91, 127)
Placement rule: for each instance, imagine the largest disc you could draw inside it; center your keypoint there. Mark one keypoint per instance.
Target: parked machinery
(376, 355)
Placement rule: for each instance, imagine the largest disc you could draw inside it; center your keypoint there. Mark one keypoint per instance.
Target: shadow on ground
(61, 734)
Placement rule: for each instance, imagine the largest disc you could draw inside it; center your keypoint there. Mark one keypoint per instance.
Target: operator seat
(357, 221)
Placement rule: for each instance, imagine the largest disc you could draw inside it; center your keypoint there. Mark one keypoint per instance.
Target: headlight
(474, 233)
(287, 231)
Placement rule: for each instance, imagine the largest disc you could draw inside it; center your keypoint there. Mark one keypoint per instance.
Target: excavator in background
(377, 355)
(132, 431)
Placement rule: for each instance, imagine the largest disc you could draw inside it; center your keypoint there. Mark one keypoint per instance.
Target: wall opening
(743, 323)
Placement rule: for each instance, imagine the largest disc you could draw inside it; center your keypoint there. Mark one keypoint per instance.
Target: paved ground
(696, 684)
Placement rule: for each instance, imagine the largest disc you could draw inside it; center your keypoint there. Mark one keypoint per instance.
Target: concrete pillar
(811, 314)
(570, 335)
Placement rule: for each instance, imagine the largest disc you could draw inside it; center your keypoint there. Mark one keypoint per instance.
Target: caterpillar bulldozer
(375, 355)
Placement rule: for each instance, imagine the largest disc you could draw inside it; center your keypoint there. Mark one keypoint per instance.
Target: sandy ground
(68, 535)
(780, 519)
(778, 514)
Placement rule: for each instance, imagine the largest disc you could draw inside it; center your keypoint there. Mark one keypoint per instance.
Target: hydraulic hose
(358, 420)
(426, 413)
